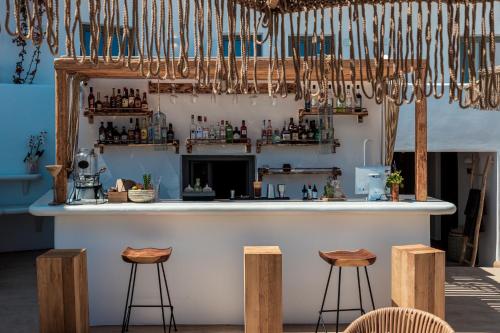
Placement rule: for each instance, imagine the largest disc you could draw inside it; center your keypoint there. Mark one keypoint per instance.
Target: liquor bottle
(102, 133)
(192, 129)
(269, 132)
(153, 127)
(164, 130)
(309, 192)
(144, 131)
(124, 136)
(112, 100)
(276, 136)
(144, 104)
(348, 97)
(329, 101)
(229, 132)
(137, 132)
(285, 133)
(118, 100)
(206, 129)
(137, 100)
(359, 99)
(314, 192)
(304, 192)
(317, 131)
(125, 98)
(307, 102)
(294, 132)
(106, 102)
(98, 103)
(214, 132)
(131, 135)
(91, 99)
(314, 96)
(199, 129)
(116, 135)
(323, 131)
(170, 133)
(303, 128)
(222, 131)
(131, 98)
(243, 130)
(109, 132)
(263, 133)
(236, 134)
(312, 128)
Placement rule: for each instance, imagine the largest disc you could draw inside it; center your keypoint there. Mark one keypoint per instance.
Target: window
(237, 46)
(476, 42)
(114, 43)
(310, 50)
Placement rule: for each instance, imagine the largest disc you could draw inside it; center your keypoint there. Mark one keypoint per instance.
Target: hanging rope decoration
(400, 56)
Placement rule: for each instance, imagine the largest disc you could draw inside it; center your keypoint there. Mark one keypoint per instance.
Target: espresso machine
(87, 187)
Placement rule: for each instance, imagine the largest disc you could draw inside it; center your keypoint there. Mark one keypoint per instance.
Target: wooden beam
(61, 130)
(118, 70)
(421, 149)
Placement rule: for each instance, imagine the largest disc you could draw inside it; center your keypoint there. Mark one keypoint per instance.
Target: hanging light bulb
(194, 94)
(173, 95)
(274, 100)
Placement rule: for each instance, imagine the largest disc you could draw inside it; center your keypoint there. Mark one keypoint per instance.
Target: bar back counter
(205, 271)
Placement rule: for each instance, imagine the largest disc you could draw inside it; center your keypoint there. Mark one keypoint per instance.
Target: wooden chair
(399, 320)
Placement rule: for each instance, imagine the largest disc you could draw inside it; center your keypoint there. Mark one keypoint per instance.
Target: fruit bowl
(141, 196)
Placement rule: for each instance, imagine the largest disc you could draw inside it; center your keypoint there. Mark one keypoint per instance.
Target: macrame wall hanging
(403, 54)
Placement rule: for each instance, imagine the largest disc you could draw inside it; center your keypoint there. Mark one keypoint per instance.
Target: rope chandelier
(401, 46)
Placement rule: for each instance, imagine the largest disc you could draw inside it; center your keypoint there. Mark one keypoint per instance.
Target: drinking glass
(257, 189)
(281, 190)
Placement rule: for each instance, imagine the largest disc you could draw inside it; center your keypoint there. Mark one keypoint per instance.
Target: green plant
(146, 179)
(395, 178)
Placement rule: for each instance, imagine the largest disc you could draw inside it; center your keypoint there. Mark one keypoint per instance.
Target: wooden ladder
(474, 243)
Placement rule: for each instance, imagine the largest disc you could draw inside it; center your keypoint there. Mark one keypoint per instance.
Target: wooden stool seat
(146, 256)
(357, 258)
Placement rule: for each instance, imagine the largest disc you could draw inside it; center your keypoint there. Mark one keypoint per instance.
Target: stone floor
(472, 301)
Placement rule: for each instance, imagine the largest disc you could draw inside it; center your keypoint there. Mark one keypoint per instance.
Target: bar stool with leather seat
(358, 258)
(144, 257)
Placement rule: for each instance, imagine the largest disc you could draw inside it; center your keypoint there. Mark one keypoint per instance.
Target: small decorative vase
(395, 192)
(32, 166)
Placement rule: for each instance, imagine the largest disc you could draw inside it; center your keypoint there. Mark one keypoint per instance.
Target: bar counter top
(407, 205)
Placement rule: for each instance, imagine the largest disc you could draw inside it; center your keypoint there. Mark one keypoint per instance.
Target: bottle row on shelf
(305, 131)
(148, 132)
(118, 102)
(223, 131)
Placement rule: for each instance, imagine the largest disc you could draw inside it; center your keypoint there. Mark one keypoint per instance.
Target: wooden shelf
(174, 144)
(334, 172)
(20, 177)
(116, 112)
(192, 142)
(334, 112)
(335, 143)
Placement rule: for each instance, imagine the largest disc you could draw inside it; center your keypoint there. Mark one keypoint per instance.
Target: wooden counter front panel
(263, 289)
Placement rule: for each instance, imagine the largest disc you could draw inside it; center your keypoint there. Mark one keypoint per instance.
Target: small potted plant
(35, 151)
(395, 182)
(142, 192)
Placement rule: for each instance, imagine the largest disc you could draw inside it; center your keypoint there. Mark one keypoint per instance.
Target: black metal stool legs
(161, 299)
(338, 309)
(130, 300)
(369, 287)
(172, 318)
(324, 299)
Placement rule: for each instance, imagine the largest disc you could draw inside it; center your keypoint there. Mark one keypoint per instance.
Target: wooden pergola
(65, 67)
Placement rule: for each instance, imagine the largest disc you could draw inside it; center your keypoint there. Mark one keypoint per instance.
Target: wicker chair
(399, 320)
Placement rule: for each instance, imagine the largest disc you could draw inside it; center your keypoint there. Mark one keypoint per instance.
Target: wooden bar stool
(147, 256)
(357, 258)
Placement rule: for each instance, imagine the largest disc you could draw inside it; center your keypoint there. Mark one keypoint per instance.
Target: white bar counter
(205, 272)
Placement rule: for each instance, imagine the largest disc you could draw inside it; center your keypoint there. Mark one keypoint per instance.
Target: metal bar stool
(358, 258)
(147, 256)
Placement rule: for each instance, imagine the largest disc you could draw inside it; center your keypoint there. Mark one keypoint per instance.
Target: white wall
(133, 162)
